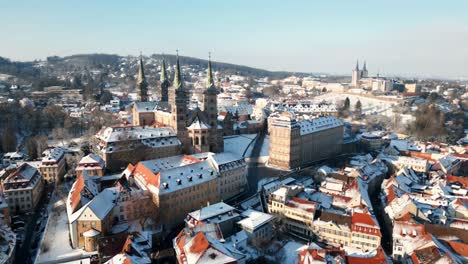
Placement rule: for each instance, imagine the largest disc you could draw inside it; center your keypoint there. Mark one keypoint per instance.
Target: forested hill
(90, 61)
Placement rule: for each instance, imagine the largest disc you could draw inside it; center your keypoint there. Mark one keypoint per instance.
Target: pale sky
(425, 38)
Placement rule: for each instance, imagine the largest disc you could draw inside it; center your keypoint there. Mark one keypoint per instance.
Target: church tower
(210, 102)
(364, 73)
(355, 76)
(142, 84)
(164, 96)
(178, 103)
(210, 109)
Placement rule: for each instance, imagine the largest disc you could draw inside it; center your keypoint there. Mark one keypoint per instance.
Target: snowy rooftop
(197, 124)
(115, 134)
(319, 124)
(53, 155)
(146, 106)
(254, 219)
(179, 172)
(211, 211)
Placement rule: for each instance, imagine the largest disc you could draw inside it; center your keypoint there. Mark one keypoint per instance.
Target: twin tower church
(197, 129)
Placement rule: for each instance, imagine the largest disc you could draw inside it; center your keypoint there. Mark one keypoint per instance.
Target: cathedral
(358, 74)
(197, 129)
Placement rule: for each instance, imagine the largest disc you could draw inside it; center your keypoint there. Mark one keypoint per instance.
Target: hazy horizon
(397, 38)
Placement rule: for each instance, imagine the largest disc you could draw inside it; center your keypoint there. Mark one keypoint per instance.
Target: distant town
(173, 159)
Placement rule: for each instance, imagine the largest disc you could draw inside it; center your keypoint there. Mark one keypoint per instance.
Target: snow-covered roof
(115, 134)
(90, 159)
(91, 233)
(100, 205)
(254, 219)
(319, 124)
(211, 211)
(142, 107)
(197, 124)
(53, 155)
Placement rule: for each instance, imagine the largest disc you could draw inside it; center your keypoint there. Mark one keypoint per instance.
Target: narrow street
(24, 253)
(385, 224)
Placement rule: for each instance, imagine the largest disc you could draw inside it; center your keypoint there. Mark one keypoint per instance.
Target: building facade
(181, 184)
(119, 146)
(296, 143)
(53, 164)
(23, 189)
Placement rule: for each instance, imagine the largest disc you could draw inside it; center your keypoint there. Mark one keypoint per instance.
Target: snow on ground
(239, 143)
(370, 106)
(56, 239)
(289, 252)
(265, 151)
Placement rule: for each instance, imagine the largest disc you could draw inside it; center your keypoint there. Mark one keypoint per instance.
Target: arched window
(203, 140)
(196, 141)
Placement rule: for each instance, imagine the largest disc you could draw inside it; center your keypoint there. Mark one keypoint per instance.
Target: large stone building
(296, 143)
(197, 129)
(23, 188)
(53, 164)
(181, 184)
(119, 146)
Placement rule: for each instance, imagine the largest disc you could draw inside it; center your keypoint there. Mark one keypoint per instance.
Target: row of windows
(364, 244)
(364, 236)
(333, 232)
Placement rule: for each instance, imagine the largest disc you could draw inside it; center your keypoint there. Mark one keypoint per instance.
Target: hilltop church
(197, 129)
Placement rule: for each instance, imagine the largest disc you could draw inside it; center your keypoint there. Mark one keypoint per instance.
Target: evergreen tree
(9, 140)
(347, 104)
(358, 108)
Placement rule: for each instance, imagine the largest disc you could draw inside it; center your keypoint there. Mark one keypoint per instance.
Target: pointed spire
(209, 78)
(177, 76)
(357, 65)
(163, 70)
(364, 67)
(141, 72)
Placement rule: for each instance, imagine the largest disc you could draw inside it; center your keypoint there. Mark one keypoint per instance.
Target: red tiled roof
(360, 223)
(391, 194)
(459, 248)
(191, 159)
(295, 202)
(462, 180)
(309, 252)
(75, 196)
(127, 246)
(460, 156)
(148, 176)
(200, 244)
(379, 258)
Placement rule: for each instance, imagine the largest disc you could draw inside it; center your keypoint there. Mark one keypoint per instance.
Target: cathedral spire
(163, 71)
(141, 72)
(364, 67)
(177, 76)
(142, 85)
(209, 78)
(357, 65)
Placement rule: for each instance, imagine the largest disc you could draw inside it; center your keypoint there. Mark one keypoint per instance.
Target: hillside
(90, 61)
